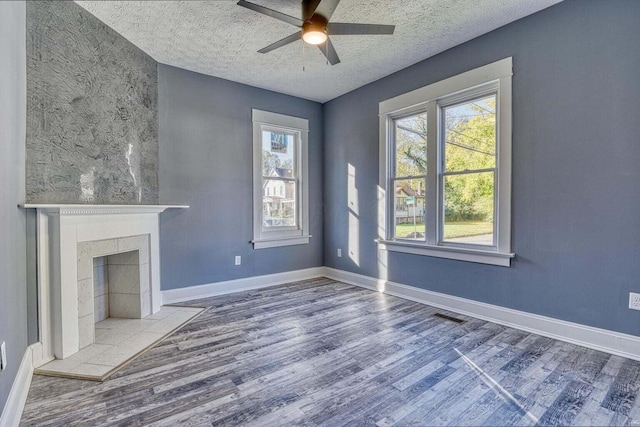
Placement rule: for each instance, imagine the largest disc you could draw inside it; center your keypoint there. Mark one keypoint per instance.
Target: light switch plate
(238, 260)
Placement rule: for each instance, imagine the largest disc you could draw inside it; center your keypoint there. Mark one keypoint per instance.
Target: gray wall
(576, 210)
(92, 126)
(13, 291)
(206, 162)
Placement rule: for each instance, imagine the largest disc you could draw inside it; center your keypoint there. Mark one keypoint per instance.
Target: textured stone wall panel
(92, 121)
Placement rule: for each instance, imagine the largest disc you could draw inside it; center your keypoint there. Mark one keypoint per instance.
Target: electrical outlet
(238, 260)
(634, 301)
(3, 352)
(339, 253)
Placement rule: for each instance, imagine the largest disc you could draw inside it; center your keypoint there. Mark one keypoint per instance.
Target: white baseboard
(586, 336)
(14, 406)
(173, 296)
(38, 355)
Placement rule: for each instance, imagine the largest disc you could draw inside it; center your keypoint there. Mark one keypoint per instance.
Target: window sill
(460, 254)
(280, 241)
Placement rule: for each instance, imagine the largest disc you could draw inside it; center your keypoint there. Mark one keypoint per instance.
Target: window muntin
(467, 190)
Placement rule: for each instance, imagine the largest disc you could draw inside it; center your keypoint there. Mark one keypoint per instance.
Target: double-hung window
(445, 167)
(280, 180)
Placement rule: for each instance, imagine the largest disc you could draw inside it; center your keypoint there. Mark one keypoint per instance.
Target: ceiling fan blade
(326, 8)
(329, 51)
(342, 29)
(272, 13)
(283, 42)
(309, 8)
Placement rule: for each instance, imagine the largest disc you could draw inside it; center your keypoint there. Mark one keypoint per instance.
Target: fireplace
(113, 281)
(94, 261)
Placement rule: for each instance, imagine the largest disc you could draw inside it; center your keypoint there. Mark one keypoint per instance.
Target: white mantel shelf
(86, 209)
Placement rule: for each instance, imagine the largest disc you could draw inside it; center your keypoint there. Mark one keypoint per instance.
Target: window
(446, 167)
(280, 184)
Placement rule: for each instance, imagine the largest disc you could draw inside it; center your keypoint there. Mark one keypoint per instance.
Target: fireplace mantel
(60, 229)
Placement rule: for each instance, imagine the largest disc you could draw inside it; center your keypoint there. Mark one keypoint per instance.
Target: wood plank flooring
(320, 352)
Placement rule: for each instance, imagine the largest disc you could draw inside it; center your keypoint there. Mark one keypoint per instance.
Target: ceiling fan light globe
(314, 37)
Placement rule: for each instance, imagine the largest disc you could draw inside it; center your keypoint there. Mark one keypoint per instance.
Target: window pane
(469, 208)
(411, 145)
(470, 135)
(278, 154)
(409, 208)
(278, 203)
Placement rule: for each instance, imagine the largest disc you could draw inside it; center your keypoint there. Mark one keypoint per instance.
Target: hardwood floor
(321, 352)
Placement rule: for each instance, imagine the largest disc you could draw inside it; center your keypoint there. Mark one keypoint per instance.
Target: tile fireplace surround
(129, 287)
(70, 237)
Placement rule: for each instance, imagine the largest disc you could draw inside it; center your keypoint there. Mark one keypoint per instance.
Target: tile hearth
(119, 341)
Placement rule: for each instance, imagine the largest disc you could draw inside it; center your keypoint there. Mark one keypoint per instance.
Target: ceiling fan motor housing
(315, 23)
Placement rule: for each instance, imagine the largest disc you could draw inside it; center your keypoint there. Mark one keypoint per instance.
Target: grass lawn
(453, 229)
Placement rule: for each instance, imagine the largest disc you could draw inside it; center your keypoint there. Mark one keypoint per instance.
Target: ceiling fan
(316, 27)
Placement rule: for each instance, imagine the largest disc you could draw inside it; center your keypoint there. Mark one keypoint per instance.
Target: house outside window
(445, 168)
(280, 180)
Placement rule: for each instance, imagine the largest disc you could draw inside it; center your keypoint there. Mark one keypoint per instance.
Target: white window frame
(491, 78)
(281, 236)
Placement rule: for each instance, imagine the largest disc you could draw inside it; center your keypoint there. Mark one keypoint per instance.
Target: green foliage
(411, 146)
(470, 146)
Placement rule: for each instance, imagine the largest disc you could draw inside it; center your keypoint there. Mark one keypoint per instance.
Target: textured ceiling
(221, 39)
